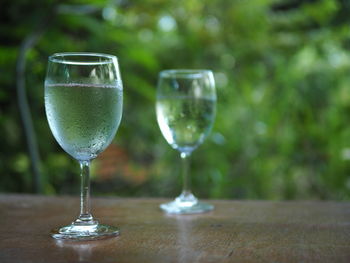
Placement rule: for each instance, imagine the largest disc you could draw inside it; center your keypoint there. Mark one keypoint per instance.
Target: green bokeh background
(282, 70)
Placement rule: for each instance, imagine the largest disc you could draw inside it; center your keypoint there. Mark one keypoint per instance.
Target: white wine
(185, 106)
(185, 121)
(83, 117)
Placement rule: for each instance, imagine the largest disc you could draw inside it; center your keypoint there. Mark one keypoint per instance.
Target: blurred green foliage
(282, 72)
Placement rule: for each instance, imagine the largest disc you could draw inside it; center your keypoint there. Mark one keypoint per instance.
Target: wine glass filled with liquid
(185, 107)
(83, 102)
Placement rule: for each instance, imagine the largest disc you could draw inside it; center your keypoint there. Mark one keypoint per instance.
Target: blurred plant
(281, 69)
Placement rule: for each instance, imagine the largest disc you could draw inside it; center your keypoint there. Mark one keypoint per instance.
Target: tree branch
(31, 39)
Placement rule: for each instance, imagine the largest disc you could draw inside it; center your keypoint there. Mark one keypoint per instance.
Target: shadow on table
(187, 240)
(83, 251)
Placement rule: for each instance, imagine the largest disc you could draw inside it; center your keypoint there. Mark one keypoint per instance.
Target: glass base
(85, 232)
(186, 203)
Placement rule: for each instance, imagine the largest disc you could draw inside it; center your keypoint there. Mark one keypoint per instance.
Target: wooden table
(236, 231)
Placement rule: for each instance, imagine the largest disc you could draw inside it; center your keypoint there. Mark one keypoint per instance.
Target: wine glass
(83, 102)
(185, 106)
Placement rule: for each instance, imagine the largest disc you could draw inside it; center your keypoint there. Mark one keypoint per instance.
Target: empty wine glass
(185, 106)
(83, 102)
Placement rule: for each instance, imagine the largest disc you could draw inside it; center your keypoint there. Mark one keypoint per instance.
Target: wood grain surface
(236, 231)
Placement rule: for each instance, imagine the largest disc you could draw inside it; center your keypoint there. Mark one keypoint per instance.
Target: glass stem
(186, 190)
(85, 216)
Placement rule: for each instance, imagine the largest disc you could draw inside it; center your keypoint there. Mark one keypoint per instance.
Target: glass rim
(61, 57)
(184, 73)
